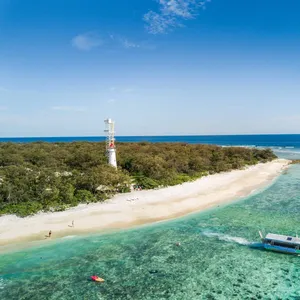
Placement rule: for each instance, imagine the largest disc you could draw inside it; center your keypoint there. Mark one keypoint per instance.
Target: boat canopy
(283, 239)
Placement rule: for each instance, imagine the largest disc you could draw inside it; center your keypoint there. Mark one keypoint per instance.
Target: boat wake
(227, 238)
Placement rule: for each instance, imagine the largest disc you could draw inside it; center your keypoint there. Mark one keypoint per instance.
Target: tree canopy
(54, 176)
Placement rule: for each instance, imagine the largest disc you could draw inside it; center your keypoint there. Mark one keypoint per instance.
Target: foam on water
(227, 238)
(69, 237)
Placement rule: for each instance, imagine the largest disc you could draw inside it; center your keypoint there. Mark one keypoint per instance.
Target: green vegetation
(52, 177)
(295, 161)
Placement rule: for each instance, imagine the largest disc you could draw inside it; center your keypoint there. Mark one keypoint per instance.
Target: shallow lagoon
(214, 260)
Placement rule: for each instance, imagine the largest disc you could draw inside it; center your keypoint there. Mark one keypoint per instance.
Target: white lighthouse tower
(110, 142)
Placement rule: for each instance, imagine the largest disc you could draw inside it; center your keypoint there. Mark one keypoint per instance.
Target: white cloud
(171, 14)
(182, 8)
(124, 42)
(69, 108)
(127, 44)
(158, 23)
(87, 41)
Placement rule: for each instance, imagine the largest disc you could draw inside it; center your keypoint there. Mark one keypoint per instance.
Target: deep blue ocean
(215, 260)
(275, 140)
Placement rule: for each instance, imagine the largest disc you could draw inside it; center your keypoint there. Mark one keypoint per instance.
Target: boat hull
(281, 249)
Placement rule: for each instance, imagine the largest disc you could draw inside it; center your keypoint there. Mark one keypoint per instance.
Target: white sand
(149, 206)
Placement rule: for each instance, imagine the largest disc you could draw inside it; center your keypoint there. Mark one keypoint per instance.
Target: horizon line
(166, 135)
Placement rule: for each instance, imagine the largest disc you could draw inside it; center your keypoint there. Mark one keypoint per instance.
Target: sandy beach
(142, 207)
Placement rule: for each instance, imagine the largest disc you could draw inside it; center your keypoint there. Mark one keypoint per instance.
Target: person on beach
(73, 223)
(50, 232)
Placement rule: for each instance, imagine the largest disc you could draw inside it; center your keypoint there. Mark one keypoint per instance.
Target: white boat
(281, 243)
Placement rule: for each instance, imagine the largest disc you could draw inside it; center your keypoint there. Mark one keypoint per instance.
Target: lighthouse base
(112, 157)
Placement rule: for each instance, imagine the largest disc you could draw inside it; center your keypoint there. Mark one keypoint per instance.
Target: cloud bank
(171, 14)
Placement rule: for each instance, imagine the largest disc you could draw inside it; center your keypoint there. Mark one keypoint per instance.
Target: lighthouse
(110, 142)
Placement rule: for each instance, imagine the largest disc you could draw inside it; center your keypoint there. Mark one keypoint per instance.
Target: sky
(157, 67)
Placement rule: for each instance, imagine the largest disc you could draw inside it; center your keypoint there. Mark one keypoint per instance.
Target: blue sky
(154, 66)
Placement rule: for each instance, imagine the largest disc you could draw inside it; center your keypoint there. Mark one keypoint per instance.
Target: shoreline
(141, 207)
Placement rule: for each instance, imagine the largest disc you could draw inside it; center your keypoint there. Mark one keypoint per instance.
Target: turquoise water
(214, 260)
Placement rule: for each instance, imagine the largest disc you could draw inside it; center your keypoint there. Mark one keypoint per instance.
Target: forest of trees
(54, 176)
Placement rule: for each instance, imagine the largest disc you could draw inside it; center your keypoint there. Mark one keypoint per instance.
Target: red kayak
(97, 278)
